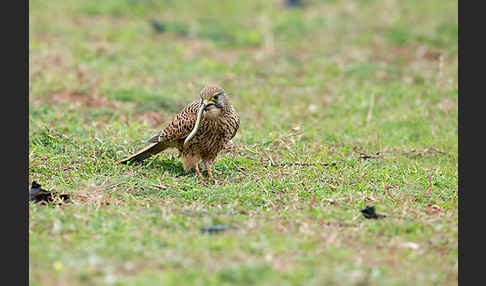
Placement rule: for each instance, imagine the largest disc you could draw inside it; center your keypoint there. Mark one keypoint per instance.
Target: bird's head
(213, 100)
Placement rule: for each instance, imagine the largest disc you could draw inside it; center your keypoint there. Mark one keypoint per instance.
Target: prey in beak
(204, 105)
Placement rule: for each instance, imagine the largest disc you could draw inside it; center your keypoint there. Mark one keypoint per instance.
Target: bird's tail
(146, 152)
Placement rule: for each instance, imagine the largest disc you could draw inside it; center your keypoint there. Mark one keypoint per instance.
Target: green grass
(316, 85)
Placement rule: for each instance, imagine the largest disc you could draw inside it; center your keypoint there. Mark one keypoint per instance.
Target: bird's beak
(207, 103)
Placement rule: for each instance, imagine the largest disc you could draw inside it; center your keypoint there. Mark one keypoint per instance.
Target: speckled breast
(211, 137)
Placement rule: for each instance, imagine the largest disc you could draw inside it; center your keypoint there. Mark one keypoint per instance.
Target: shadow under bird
(200, 131)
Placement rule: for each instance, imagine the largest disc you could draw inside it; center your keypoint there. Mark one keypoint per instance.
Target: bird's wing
(237, 123)
(180, 126)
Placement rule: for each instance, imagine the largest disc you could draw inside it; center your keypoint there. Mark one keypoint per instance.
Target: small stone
(312, 108)
(214, 228)
(369, 213)
(411, 245)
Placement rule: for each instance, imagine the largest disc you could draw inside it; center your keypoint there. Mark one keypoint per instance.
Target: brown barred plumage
(218, 125)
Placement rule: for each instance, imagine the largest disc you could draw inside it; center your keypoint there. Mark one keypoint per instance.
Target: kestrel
(200, 131)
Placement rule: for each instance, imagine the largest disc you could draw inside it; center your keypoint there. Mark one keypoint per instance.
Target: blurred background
(293, 63)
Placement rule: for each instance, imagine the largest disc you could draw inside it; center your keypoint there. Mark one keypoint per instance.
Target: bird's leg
(190, 161)
(210, 175)
(208, 164)
(198, 172)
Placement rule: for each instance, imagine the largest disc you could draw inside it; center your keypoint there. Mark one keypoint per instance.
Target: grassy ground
(316, 85)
